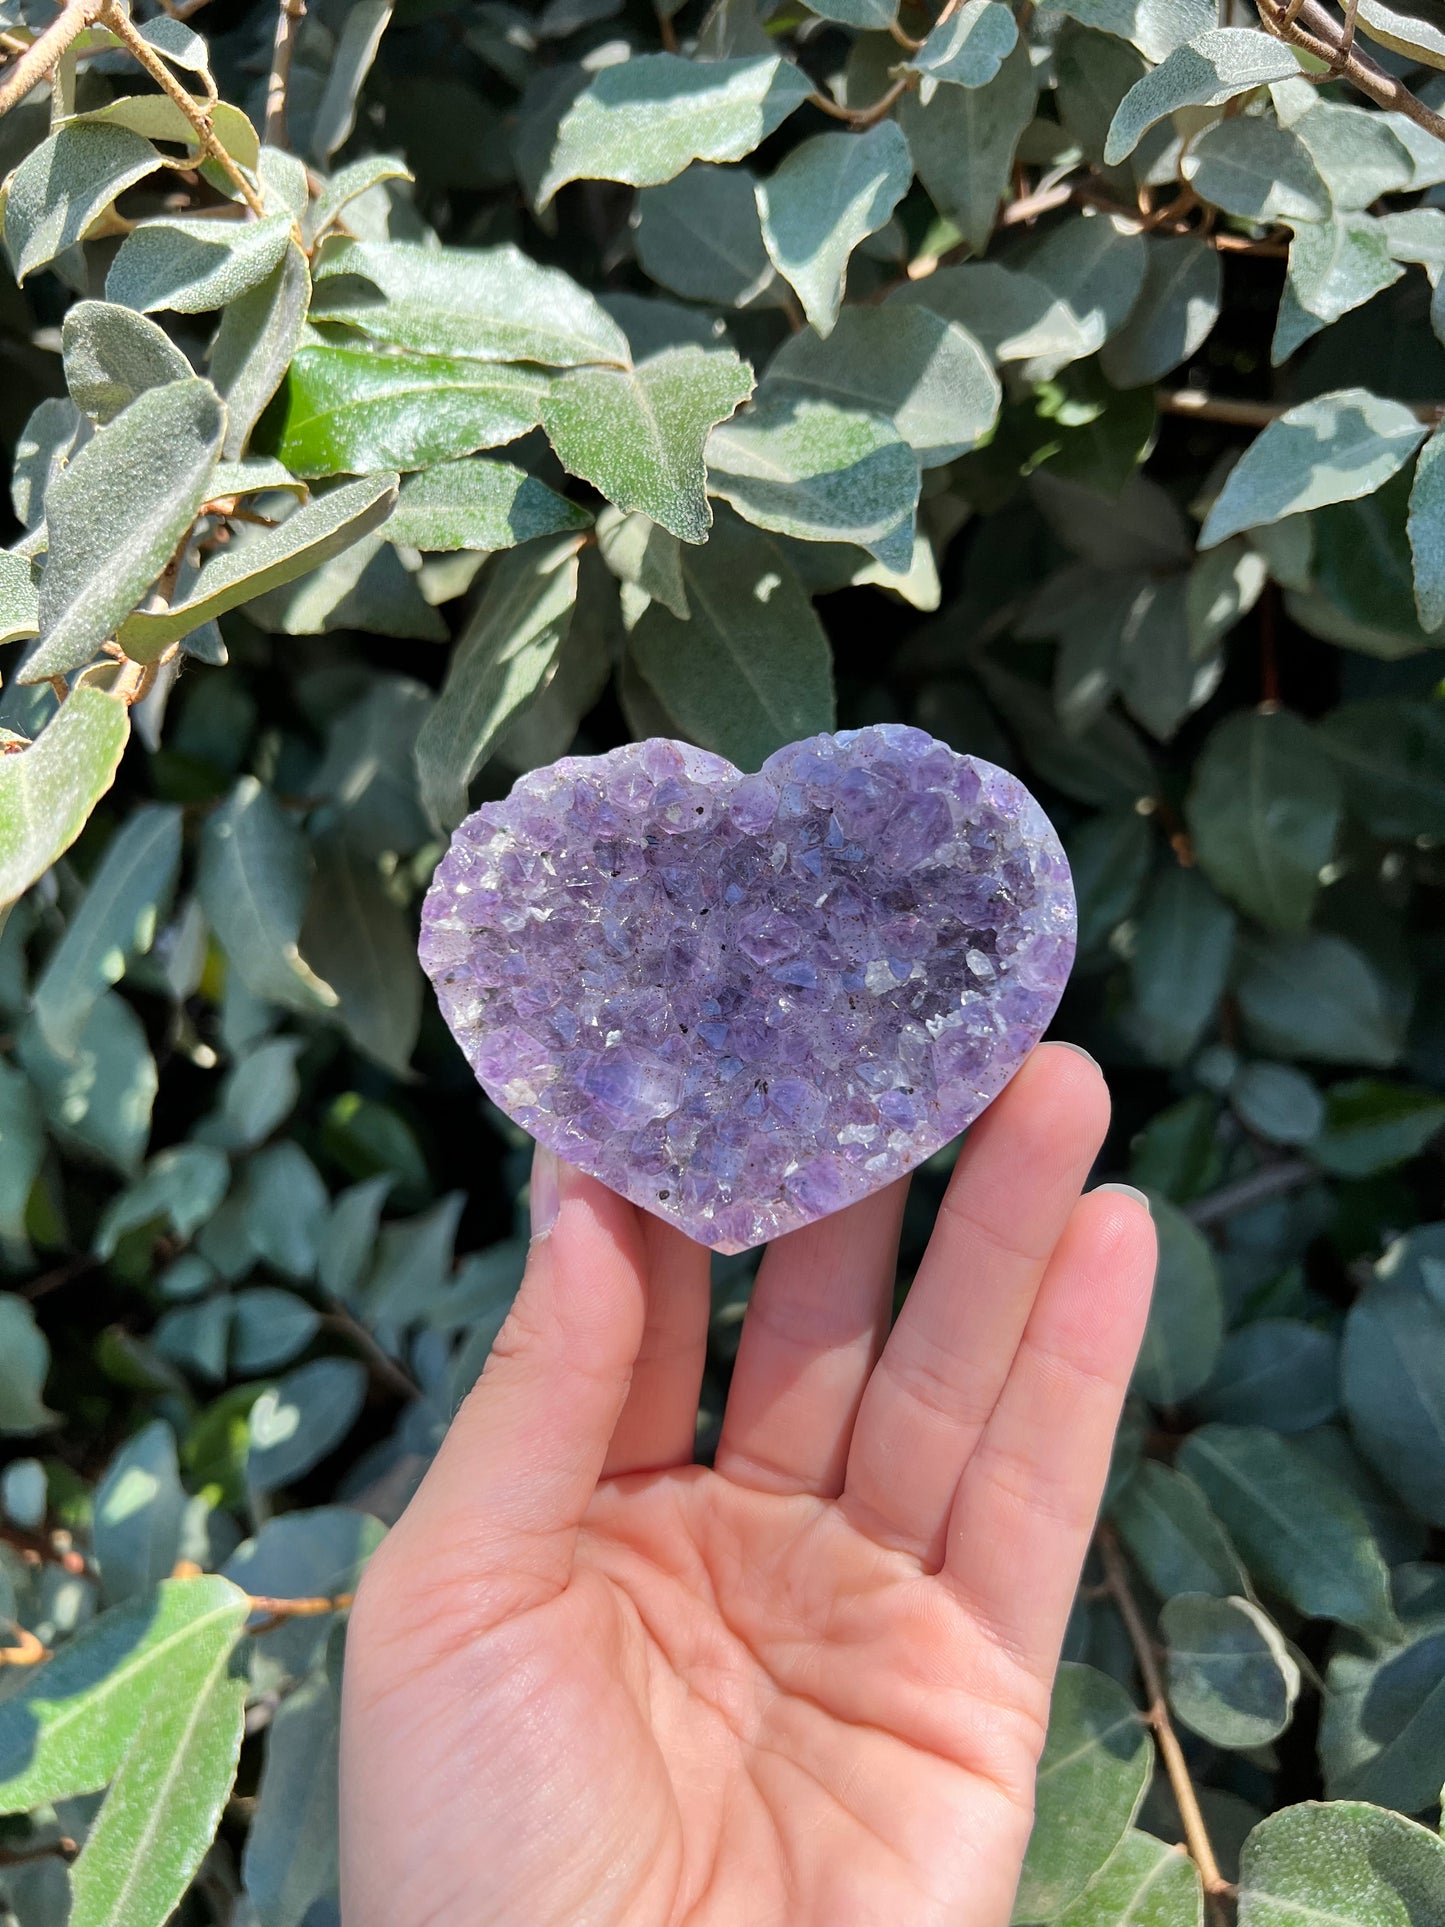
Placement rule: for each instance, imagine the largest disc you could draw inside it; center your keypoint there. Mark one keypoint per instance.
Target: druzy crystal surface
(744, 1001)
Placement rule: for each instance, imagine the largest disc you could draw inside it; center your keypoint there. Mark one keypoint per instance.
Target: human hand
(589, 1681)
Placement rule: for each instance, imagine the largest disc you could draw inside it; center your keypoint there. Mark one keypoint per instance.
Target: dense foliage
(1115, 466)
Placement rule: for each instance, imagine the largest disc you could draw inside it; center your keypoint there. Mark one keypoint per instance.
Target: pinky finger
(1029, 1495)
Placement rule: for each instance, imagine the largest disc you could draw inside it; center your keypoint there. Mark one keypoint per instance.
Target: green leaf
(24, 1368)
(1106, 764)
(478, 304)
(46, 444)
(700, 235)
(479, 504)
(1213, 68)
(1179, 303)
(1382, 1734)
(253, 882)
(1334, 266)
(1173, 1537)
(819, 473)
(65, 184)
(285, 1204)
(644, 557)
(112, 355)
(269, 1327)
(645, 119)
(1334, 449)
(19, 599)
(1095, 1767)
(1357, 154)
(1371, 1125)
(506, 653)
(262, 559)
(859, 13)
(1186, 1317)
(22, 1152)
(48, 790)
(1012, 315)
(967, 50)
(1264, 812)
(963, 144)
(97, 1098)
(1231, 1678)
(311, 1554)
(1109, 858)
(1341, 1865)
(116, 922)
(1143, 1883)
(1155, 27)
(1256, 169)
(1393, 1375)
(1180, 964)
(191, 265)
(139, 1506)
(159, 118)
(290, 1857)
(925, 375)
(368, 585)
(364, 944)
(1427, 532)
(258, 1095)
(348, 184)
(639, 435)
(1096, 267)
(829, 194)
(369, 769)
(350, 411)
(71, 1724)
(1300, 1529)
(1319, 997)
(180, 1190)
(751, 670)
(1278, 1102)
(117, 515)
(1389, 754)
(362, 27)
(257, 337)
(302, 1420)
(1277, 1372)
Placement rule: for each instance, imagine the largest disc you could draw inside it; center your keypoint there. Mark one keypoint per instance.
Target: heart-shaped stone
(744, 1001)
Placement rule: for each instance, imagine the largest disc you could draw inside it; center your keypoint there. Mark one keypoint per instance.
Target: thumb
(523, 1456)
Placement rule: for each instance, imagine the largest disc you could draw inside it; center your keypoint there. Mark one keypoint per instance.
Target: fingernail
(1127, 1191)
(546, 1194)
(1078, 1051)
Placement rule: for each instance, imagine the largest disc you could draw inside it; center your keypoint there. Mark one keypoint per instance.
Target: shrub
(1115, 465)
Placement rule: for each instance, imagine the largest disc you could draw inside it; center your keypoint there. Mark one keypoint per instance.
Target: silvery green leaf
(1180, 964)
(65, 184)
(253, 882)
(652, 323)
(283, 181)
(1427, 532)
(751, 669)
(1282, 1105)
(1390, 756)
(1253, 167)
(112, 355)
(644, 120)
(139, 1503)
(1300, 1530)
(644, 557)
(24, 1367)
(1231, 1677)
(927, 376)
(1173, 1537)
(1095, 266)
(22, 1151)
(1009, 312)
(1417, 234)
(967, 50)
(1334, 266)
(1393, 1349)
(700, 236)
(1143, 1883)
(820, 473)
(506, 653)
(1298, 1862)
(1356, 152)
(257, 337)
(368, 771)
(191, 265)
(1319, 997)
(181, 46)
(827, 196)
(268, 1328)
(1224, 585)
(1382, 1734)
(286, 1206)
(368, 585)
(303, 1419)
(859, 13)
(352, 411)
(1427, 153)
(115, 921)
(1211, 69)
(48, 790)
(1186, 1317)
(290, 1857)
(638, 435)
(258, 1095)
(117, 515)
(479, 504)
(253, 475)
(1092, 73)
(363, 943)
(346, 70)
(1178, 307)
(156, 117)
(1333, 449)
(46, 444)
(19, 599)
(1155, 27)
(1095, 1766)
(98, 1098)
(181, 1189)
(1403, 31)
(963, 143)
(483, 304)
(348, 184)
(1264, 812)
(262, 559)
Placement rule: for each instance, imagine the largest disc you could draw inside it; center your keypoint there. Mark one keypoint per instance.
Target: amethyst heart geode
(744, 1001)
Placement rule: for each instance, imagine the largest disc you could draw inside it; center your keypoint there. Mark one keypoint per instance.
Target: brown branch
(279, 1611)
(198, 115)
(35, 1547)
(1256, 414)
(1116, 1580)
(288, 28)
(42, 54)
(1308, 25)
(27, 1650)
(1270, 1181)
(394, 1376)
(62, 1849)
(861, 117)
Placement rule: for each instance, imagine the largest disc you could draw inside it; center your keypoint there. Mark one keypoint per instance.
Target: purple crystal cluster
(744, 1001)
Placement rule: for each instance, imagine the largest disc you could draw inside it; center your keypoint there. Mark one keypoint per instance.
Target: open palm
(589, 1681)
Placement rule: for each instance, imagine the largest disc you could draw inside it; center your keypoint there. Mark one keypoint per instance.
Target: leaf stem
(861, 117)
(1270, 1181)
(1156, 1713)
(278, 1611)
(394, 1376)
(1257, 414)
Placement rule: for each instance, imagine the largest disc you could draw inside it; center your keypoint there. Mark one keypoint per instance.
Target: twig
(278, 1611)
(62, 1849)
(395, 1376)
(38, 1546)
(198, 115)
(42, 54)
(1196, 1834)
(865, 116)
(1306, 24)
(1256, 414)
(27, 1650)
(1270, 1181)
(288, 28)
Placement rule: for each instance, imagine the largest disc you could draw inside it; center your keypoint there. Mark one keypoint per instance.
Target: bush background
(257, 1225)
